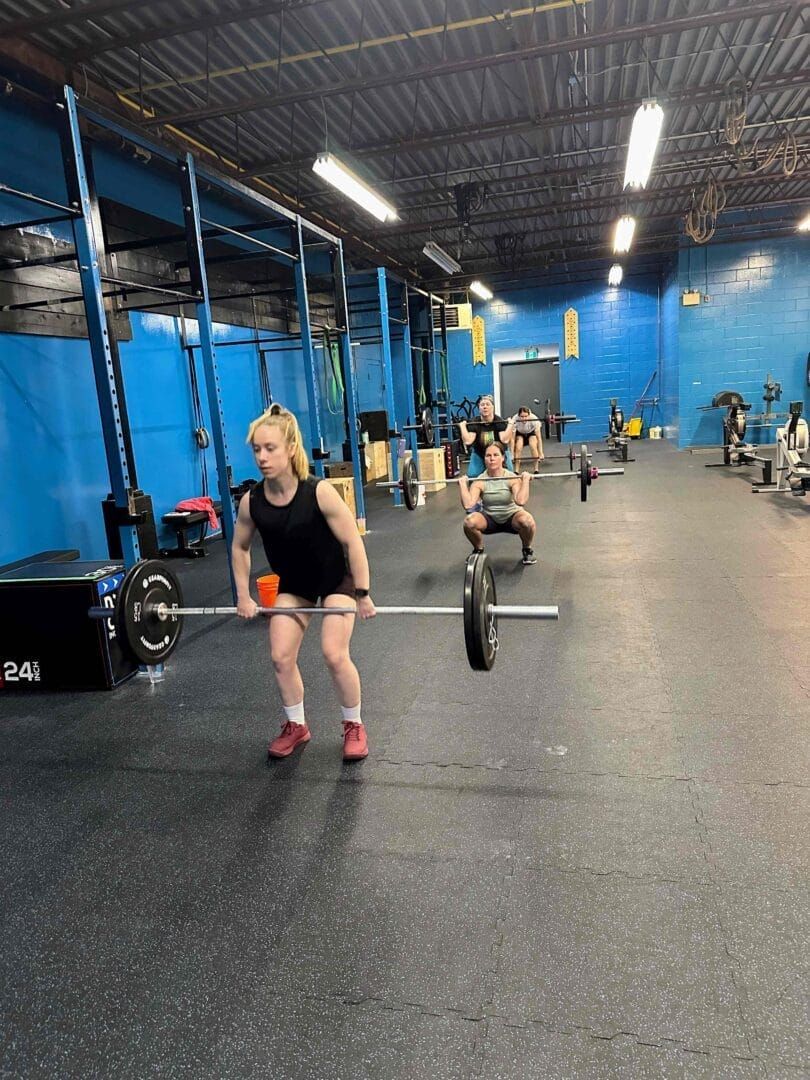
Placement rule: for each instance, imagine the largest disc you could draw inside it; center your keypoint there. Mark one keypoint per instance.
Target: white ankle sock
(352, 715)
(295, 713)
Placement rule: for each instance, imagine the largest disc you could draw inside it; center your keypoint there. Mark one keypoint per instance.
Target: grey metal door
(525, 380)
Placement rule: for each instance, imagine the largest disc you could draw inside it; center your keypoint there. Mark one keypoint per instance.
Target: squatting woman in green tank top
(495, 503)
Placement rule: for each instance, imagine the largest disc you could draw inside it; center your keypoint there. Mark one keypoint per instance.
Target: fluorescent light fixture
(623, 236)
(615, 275)
(480, 290)
(340, 176)
(441, 258)
(644, 138)
(804, 224)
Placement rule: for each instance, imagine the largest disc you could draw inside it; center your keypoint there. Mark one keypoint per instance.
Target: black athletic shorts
(305, 590)
(494, 526)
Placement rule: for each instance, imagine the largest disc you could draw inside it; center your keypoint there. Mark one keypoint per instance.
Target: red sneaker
(355, 743)
(287, 740)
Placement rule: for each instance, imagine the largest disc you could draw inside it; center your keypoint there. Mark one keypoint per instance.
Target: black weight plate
(571, 457)
(410, 489)
(426, 420)
(584, 473)
(147, 638)
(619, 421)
(479, 595)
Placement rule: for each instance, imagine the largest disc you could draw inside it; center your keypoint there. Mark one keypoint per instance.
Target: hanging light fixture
(623, 235)
(441, 258)
(480, 290)
(340, 176)
(615, 275)
(804, 224)
(644, 137)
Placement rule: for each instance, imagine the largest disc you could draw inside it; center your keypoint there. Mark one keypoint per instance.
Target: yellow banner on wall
(479, 341)
(571, 322)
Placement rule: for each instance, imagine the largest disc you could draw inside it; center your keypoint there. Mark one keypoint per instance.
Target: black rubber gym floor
(590, 862)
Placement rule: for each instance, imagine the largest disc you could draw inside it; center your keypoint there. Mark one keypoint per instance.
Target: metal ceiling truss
(187, 26)
(455, 67)
(662, 244)
(478, 132)
(598, 203)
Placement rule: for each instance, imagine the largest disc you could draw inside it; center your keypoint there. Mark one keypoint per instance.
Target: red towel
(203, 503)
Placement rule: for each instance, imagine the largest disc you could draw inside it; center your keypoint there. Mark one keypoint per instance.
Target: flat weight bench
(183, 521)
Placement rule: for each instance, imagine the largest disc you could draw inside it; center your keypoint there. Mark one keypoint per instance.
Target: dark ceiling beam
(666, 229)
(608, 170)
(545, 254)
(667, 167)
(519, 125)
(649, 258)
(454, 67)
(78, 13)
(187, 26)
(663, 241)
(594, 175)
(617, 200)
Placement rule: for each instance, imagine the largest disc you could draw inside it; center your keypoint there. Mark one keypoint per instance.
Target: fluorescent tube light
(623, 236)
(644, 136)
(480, 290)
(804, 224)
(441, 258)
(615, 275)
(340, 176)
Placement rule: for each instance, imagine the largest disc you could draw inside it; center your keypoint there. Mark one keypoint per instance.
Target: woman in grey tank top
(495, 502)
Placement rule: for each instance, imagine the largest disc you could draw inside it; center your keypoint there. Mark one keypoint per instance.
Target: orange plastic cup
(268, 589)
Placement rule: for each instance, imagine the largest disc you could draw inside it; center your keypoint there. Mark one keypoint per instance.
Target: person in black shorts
(495, 502)
(312, 543)
(481, 433)
(527, 431)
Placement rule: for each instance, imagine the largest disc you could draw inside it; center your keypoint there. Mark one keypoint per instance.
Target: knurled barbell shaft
(501, 611)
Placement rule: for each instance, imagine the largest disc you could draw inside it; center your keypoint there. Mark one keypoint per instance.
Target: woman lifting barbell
(501, 504)
(527, 432)
(308, 534)
(488, 429)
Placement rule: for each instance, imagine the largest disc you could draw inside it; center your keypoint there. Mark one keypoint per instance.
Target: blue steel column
(199, 278)
(450, 434)
(98, 333)
(434, 371)
(388, 377)
(406, 345)
(350, 383)
(316, 431)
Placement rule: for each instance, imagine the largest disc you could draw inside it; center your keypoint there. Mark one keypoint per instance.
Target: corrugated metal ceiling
(544, 136)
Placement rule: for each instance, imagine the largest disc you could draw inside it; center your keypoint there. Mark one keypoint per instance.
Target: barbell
(148, 613)
(570, 457)
(409, 482)
(550, 419)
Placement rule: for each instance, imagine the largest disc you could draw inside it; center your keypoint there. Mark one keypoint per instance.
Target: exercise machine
(792, 457)
(736, 450)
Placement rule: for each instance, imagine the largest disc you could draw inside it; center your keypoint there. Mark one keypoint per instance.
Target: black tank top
(300, 546)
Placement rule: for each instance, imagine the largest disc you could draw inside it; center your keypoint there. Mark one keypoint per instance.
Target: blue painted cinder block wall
(668, 349)
(757, 321)
(618, 337)
(53, 472)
